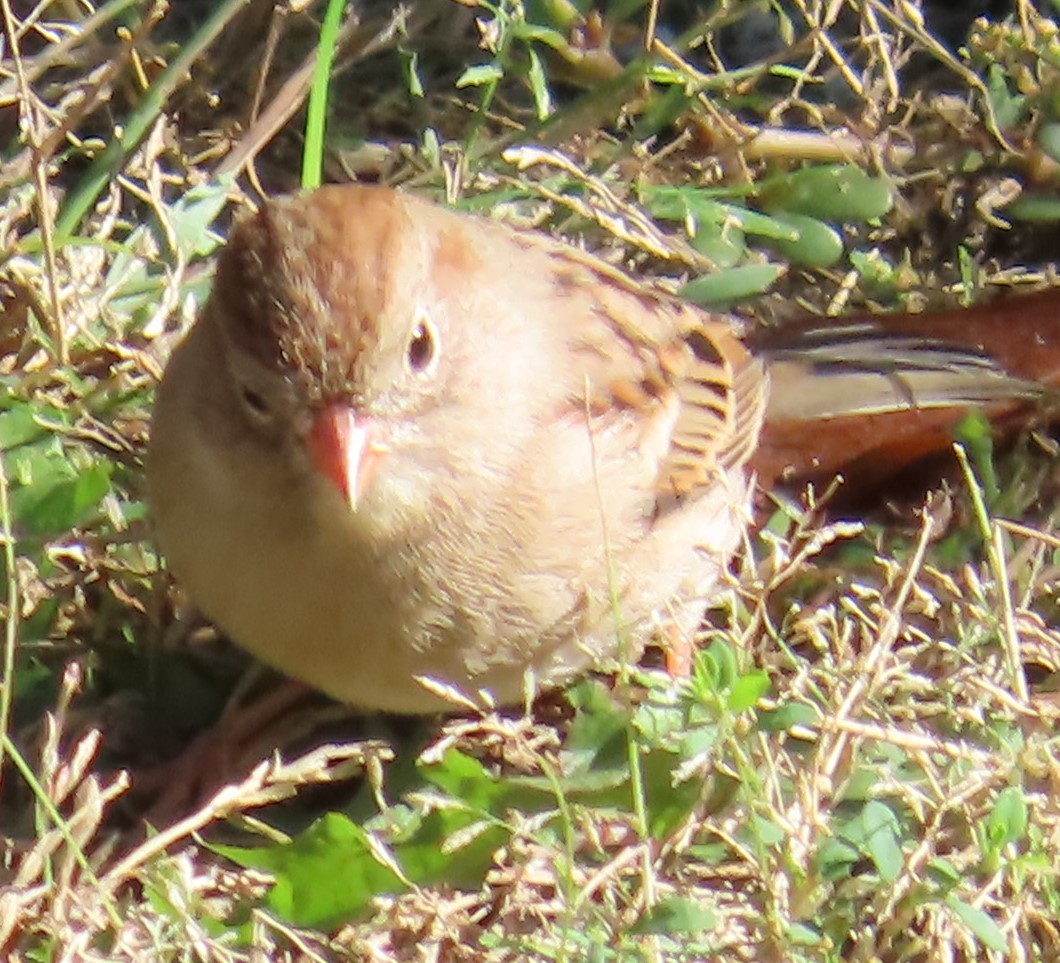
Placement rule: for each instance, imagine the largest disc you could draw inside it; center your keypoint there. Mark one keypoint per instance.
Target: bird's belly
(332, 617)
(314, 601)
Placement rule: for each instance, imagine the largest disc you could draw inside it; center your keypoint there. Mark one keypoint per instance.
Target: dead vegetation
(864, 764)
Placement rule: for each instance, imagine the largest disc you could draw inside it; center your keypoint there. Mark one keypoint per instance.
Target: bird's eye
(255, 402)
(423, 346)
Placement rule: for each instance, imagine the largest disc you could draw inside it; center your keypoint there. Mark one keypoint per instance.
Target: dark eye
(254, 402)
(422, 348)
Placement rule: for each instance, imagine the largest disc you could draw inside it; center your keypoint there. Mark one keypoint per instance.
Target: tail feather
(866, 398)
(826, 372)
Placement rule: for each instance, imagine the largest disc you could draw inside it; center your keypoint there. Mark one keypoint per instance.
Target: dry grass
(864, 765)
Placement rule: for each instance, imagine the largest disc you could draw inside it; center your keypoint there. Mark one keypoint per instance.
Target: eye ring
(421, 353)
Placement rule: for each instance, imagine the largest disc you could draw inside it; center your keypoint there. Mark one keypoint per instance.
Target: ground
(863, 764)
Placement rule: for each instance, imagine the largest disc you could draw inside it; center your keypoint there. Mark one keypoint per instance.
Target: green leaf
(675, 915)
(747, 690)
(732, 284)
(974, 432)
(980, 923)
(967, 267)
(816, 245)
(834, 859)
(659, 723)
(723, 244)
(597, 735)
(862, 783)
(881, 839)
(786, 716)
(718, 663)
(1049, 140)
(136, 283)
(943, 873)
(751, 222)
(432, 147)
(1034, 208)
(326, 877)
(802, 934)
(767, 832)
(451, 846)
(1009, 109)
(600, 787)
(529, 32)
(59, 497)
(684, 203)
(190, 219)
(668, 804)
(838, 193)
(711, 854)
(329, 874)
(410, 65)
(875, 833)
(660, 111)
(465, 779)
(876, 274)
(480, 75)
(698, 741)
(539, 86)
(1007, 821)
(19, 426)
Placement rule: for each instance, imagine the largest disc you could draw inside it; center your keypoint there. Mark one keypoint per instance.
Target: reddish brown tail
(830, 416)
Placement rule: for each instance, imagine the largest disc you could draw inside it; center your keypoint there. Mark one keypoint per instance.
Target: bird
(413, 457)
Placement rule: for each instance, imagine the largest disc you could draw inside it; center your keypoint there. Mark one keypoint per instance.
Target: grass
(863, 764)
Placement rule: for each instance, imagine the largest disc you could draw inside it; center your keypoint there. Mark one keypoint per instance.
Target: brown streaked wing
(648, 348)
(723, 394)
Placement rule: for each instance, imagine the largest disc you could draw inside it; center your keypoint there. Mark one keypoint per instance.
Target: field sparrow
(404, 443)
